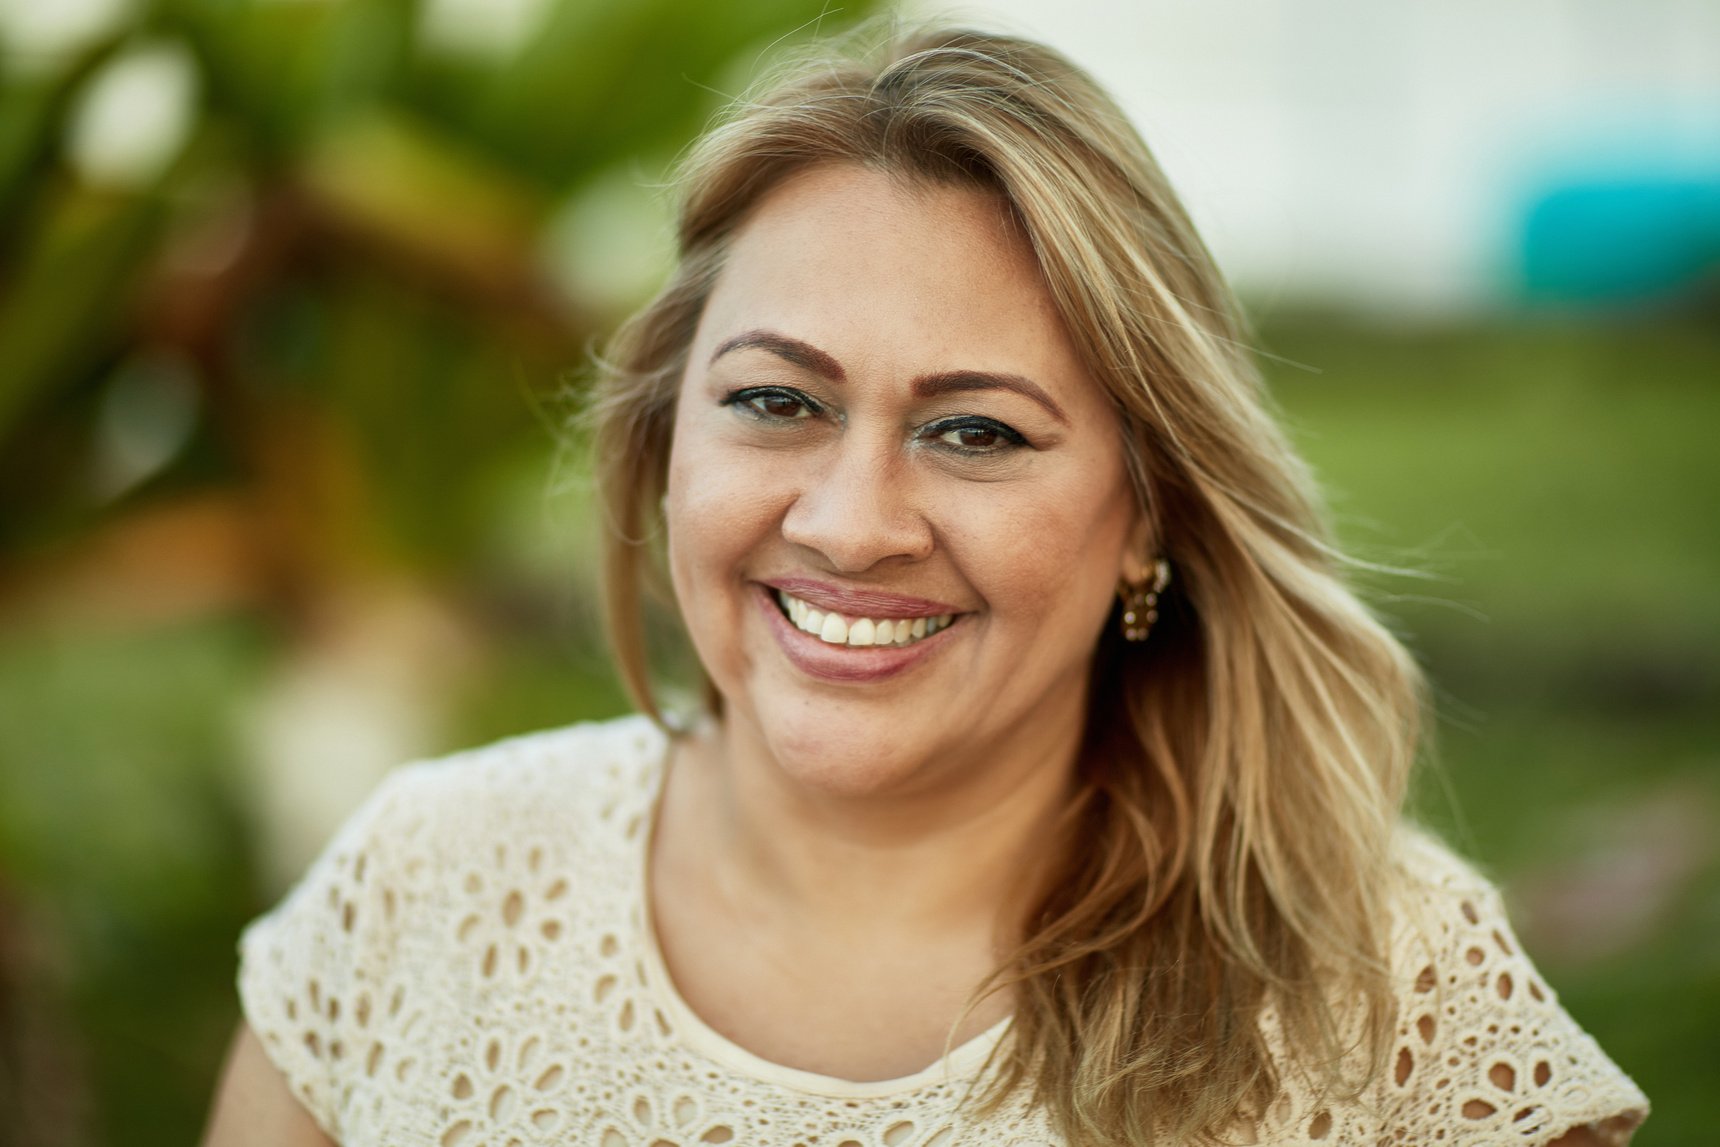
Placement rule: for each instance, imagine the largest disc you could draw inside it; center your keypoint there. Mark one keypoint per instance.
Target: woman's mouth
(841, 629)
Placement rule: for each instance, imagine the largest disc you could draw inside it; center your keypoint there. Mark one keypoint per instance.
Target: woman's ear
(1138, 552)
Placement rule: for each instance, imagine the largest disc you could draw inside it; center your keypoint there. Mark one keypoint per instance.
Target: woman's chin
(843, 761)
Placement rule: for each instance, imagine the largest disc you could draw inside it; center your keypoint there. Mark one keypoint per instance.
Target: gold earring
(1141, 602)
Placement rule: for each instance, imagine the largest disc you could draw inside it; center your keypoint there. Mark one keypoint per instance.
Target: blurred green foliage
(303, 358)
(289, 298)
(1553, 479)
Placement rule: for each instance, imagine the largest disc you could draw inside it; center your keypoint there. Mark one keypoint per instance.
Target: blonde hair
(1244, 769)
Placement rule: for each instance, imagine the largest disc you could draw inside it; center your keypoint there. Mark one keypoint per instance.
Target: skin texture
(843, 857)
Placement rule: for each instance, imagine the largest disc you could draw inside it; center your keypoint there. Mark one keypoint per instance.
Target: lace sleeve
(312, 972)
(1485, 1054)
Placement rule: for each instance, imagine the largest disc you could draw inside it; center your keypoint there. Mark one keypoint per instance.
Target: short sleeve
(317, 975)
(1485, 1053)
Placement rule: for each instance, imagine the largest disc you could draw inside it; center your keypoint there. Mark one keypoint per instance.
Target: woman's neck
(961, 845)
(846, 934)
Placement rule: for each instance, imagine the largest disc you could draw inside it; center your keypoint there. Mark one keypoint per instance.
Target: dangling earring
(1141, 602)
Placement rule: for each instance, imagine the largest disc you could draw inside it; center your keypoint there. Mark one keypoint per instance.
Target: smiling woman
(874, 468)
(1049, 786)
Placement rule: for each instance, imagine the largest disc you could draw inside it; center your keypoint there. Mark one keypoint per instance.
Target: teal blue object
(1622, 239)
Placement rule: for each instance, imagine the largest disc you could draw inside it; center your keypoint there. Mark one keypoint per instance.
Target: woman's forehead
(899, 275)
(855, 218)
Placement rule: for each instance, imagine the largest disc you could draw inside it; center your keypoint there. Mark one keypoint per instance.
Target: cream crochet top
(471, 963)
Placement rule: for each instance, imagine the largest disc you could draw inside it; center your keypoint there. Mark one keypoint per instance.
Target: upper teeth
(838, 629)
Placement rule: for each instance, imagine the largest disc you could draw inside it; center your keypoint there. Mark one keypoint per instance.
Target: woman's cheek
(1045, 542)
(723, 506)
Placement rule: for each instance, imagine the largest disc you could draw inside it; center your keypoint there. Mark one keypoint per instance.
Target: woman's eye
(773, 403)
(976, 436)
(973, 437)
(780, 406)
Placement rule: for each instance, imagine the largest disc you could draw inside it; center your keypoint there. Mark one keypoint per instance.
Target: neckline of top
(958, 1065)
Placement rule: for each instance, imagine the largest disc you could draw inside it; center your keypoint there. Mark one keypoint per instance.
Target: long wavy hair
(1244, 770)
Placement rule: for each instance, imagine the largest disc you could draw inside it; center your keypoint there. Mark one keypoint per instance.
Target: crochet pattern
(469, 965)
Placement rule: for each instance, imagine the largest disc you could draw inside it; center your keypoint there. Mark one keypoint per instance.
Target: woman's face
(897, 505)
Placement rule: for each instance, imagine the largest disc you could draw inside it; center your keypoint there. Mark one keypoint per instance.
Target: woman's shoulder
(563, 804)
(1432, 866)
(457, 879)
(1483, 1045)
(1452, 936)
(590, 760)
(576, 783)
(1439, 895)
(570, 798)
(597, 761)
(570, 801)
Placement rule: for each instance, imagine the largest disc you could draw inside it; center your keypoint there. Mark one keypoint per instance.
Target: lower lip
(845, 663)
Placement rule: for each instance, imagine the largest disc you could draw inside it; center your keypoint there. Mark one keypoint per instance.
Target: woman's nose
(858, 508)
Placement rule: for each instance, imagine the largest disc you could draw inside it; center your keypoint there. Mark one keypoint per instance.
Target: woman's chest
(615, 1077)
(466, 1042)
(854, 1007)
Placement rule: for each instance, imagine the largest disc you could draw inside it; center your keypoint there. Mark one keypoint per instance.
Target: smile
(840, 629)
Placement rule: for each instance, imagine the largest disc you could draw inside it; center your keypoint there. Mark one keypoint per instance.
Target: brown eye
(780, 405)
(976, 437)
(783, 405)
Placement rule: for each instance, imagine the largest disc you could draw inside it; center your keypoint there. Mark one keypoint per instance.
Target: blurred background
(295, 297)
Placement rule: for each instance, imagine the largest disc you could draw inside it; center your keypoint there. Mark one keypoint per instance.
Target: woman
(1049, 786)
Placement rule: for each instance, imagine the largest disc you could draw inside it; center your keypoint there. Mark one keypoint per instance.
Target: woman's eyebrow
(956, 381)
(792, 350)
(809, 357)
